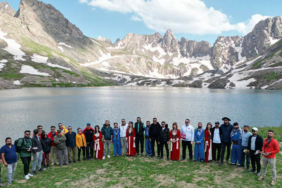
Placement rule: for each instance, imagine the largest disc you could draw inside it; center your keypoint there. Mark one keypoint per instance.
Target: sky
(192, 19)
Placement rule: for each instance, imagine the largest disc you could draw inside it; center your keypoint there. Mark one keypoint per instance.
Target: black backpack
(18, 148)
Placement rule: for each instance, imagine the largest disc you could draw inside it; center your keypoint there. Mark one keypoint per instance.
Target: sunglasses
(253, 131)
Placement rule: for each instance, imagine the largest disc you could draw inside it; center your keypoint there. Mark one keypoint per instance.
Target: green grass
(36, 48)
(272, 76)
(147, 172)
(277, 64)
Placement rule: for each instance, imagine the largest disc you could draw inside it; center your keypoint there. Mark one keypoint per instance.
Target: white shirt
(216, 136)
(187, 132)
(253, 143)
(123, 130)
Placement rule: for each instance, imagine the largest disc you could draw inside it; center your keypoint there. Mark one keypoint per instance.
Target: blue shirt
(245, 138)
(9, 154)
(225, 131)
(71, 140)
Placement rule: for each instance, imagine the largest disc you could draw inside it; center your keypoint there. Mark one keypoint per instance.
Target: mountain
(40, 47)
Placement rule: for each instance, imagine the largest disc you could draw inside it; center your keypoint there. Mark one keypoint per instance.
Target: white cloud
(182, 16)
(83, 1)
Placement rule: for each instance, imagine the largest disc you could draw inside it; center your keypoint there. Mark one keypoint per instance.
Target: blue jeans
(245, 155)
(11, 168)
(37, 160)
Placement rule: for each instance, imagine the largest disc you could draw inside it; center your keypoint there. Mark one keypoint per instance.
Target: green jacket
(60, 142)
(25, 143)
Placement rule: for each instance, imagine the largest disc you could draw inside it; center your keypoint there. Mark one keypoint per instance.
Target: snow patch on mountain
(273, 40)
(26, 69)
(3, 63)
(61, 48)
(41, 59)
(153, 49)
(103, 57)
(63, 44)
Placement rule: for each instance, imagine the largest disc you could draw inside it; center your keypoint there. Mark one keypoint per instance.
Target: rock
(106, 40)
(189, 48)
(196, 84)
(219, 83)
(3, 44)
(169, 42)
(8, 84)
(5, 8)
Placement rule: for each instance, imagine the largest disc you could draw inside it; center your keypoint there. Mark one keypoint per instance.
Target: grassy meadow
(148, 172)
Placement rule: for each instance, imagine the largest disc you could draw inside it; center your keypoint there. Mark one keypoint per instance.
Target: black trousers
(216, 148)
(255, 160)
(223, 147)
(90, 146)
(153, 140)
(26, 163)
(162, 144)
(139, 139)
(184, 145)
(79, 152)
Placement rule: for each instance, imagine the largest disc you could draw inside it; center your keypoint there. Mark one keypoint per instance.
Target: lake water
(26, 108)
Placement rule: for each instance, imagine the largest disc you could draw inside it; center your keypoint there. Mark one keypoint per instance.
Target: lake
(26, 108)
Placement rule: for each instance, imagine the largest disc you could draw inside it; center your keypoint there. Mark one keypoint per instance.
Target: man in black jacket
(216, 142)
(163, 140)
(37, 152)
(226, 129)
(89, 133)
(139, 131)
(71, 144)
(153, 134)
(254, 147)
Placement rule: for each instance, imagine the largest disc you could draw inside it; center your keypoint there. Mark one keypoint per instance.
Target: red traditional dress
(98, 145)
(130, 138)
(208, 146)
(175, 147)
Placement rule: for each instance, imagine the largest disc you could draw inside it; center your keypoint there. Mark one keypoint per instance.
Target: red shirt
(272, 147)
(50, 135)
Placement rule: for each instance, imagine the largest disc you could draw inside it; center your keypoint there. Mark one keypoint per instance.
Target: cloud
(181, 16)
(83, 1)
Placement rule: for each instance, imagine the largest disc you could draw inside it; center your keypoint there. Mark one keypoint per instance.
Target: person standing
(208, 143)
(107, 133)
(123, 128)
(25, 147)
(62, 128)
(60, 141)
(148, 144)
(269, 149)
(226, 129)
(89, 135)
(71, 144)
(130, 139)
(116, 140)
(255, 147)
(46, 147)
(98, 144)
(236, 139)
(244, 147)
(163, 140)
(216, 142)
(37, 152)
(9, 158)
(80, 143)
(175, 142)
(199, 143)
(187, 137)
(40, 129)
(53, 153)
(153, 133)
(139, 128)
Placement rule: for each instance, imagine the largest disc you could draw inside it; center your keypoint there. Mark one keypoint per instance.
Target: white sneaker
(27, 177)
(109, 156)
(103, 157)
(52, 164)
(30, 175)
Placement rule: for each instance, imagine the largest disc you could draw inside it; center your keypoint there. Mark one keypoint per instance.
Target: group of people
(211, 144)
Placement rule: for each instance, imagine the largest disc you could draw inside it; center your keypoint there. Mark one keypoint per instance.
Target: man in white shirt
(123, 128)
(216, 142)
(187, 136)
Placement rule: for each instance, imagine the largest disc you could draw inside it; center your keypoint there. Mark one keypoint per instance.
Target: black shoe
(152, 156)
(74, 161)
(83, 158)
(252, 171)
(78, 160)
(136, 154)
(47, 166)
(220, 163)
(69, 162)
(182, 159)
(167, 159)
(160, 157)
(142, 154)
(34, 173)
(40, 170)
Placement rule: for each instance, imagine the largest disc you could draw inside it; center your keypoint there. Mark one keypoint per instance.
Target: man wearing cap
(226, 129)
(269, 150)
(216, 142)
(89, 134)
(244, 147)
(236, 139)
(254, 147)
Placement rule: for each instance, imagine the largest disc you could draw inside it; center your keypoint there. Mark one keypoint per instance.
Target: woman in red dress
(175, 142)
(208, 143)
(98, 144)
(130, 139)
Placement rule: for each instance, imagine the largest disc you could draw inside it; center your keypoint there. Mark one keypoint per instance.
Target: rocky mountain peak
(170, 42)
(5, 8)
(106, 40)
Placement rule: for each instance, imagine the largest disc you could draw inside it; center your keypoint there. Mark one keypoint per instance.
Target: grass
(147, 172)
(36, 48)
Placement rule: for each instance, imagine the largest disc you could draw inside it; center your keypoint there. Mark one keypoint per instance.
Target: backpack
(18, 148)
